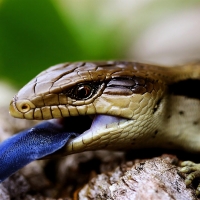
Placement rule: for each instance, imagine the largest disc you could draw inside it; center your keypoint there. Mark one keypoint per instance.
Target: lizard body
(132, 105)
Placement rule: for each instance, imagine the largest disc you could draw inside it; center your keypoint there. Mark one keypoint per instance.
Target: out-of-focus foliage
(35, 34)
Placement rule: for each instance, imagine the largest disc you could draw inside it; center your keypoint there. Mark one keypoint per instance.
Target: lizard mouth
(86, 128)
(78, 124)
(86, 132)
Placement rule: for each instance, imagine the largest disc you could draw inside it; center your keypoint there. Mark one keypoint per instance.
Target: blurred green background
(36, 34)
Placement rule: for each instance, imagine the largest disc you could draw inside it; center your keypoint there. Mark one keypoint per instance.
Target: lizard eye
(82, 91)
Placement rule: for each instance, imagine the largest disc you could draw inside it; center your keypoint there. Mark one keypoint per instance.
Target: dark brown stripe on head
(129, 86)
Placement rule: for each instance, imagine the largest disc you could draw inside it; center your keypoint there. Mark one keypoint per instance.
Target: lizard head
(109, 104)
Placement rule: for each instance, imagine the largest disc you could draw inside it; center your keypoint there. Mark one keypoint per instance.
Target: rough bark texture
(92, 175)
(155, 178)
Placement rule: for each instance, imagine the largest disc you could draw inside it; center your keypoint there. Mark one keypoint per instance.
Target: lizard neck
(181, 123)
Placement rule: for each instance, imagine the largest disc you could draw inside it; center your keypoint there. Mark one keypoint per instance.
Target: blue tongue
(27, 146)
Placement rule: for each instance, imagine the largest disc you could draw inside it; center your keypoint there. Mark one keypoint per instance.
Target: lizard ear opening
(188, 88)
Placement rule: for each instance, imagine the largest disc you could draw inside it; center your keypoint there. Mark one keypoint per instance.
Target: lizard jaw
(91, 133)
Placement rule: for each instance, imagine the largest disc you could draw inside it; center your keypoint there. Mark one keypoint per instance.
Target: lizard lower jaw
(89, 129)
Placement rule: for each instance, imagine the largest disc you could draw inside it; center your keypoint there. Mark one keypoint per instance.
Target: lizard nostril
(25, 107)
